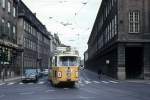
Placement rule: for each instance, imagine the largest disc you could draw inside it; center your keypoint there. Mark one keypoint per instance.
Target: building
(8, 39)
(33, 38)
(85, 57)
(119, 43)
(54, 42)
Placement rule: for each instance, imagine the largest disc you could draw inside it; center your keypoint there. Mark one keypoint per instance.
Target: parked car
(30, 75)
(39, 72)
(45, 72)
(81, 67)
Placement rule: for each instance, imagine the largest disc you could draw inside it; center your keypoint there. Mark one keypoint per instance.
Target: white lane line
(2, 84)
(26, 93)
(81, 97)
(10, 83)
(66, 88)
(21, 83)
(50, 90)
(1, 96)
(40, 82)
(87, 82)
(96, 82)
(80, 82)
(113, 82)
(105, 82)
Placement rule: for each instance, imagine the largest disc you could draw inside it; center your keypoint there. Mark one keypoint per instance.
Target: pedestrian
(99, 73)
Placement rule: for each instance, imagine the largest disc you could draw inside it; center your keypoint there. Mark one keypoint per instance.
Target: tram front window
(68, 61)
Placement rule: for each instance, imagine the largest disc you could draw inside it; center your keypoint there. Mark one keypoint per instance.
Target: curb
(11, 79)
(138, 81)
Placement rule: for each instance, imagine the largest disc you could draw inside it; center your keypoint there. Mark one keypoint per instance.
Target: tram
(65, 67)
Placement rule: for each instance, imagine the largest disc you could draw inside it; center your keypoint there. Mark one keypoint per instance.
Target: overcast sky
(71, 19)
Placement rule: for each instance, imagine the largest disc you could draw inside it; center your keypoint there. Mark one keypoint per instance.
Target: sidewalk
(105, 77)
(138, 81)
(11, 79)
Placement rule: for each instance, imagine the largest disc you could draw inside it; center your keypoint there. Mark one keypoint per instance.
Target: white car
(30, 75)
(45, 72)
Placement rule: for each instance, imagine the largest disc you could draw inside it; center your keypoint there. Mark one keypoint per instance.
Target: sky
(72, 20)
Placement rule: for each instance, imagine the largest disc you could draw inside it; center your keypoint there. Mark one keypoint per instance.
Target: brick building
(119, 43)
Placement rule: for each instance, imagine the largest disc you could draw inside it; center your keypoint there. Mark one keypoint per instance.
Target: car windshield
(30, 71)
(68, 61)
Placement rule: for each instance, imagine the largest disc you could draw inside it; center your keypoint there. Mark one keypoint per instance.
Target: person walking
(99, 73)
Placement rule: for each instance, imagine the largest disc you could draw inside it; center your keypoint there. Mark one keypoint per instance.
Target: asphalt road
(89, 88)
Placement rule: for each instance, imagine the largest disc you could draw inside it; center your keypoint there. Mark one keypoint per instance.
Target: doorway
(134, 62)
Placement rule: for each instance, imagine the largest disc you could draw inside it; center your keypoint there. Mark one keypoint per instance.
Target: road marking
(105, 82)
(2, 84)
(50, 90)
(80, 82)
(66, 88)
(87, 82)
(10, 83)
(41, 83)
(113, 81)
(1, 96)
(26, 93)
(96, 81)
(21, 83)
(81, 97)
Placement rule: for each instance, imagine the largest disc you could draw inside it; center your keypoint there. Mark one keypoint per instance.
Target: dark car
(30, 75)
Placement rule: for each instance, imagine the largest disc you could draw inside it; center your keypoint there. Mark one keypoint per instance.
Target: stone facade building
(8, 39)
(119, 43)
(24, 40)
(33, 38)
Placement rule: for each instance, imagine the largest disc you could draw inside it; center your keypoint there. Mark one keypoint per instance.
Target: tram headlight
(59, 74)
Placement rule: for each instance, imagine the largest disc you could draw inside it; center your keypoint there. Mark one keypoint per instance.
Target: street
(90, 88)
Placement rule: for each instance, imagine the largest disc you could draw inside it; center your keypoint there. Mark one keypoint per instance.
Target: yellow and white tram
(65, 66)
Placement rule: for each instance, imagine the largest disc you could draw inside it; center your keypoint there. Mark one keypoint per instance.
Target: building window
(134, 21)
(14, 12)
(14, 32)
(8, 6)
(24, 24)
(8, 26)
(3, 26)
(115, 24)
(3, 3)
(113, 27)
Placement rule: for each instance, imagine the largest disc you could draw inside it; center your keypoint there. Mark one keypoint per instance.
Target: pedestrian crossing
(89, 81)
(21, 83)
(81, 82)
(97, 82)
